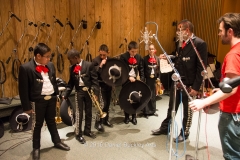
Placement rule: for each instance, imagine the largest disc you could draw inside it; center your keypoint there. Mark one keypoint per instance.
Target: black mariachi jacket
(148, 67)
(139, 65)
(88, 75)
(188, 64)
(96, 62)
(30, 83)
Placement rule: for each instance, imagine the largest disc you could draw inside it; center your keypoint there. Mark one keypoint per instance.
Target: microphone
(13, 15)
(59, 22)
(84, 24)
(180, 38)
(98, 25)
(228, 84)
(146, 37)
(43, 24)
(70, 24)
(120, 45)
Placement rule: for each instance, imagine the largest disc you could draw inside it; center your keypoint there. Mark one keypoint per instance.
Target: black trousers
(106, 92)
(45, 110)
(179, 98)
(83, 99)
(151, 106)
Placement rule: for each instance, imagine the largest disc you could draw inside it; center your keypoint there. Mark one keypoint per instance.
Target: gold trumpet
(95, 102)
(159, 87)
(58, 118)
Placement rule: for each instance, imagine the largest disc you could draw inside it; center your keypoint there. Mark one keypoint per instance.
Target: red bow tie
(41, 68)
(184, 44)
(77, 69)
(152, 60)
(132, 60)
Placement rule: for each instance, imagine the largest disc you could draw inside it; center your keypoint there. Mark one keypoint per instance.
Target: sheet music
(165, 67)
(210, 70)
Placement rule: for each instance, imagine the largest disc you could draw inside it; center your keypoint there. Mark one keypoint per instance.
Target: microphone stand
(10, 17)
(204, 74)
(71, 43)
(86, 42)
(175, 77)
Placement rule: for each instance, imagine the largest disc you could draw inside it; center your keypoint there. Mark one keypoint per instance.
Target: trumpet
(159, 87)
(58, 118)
(95, 102)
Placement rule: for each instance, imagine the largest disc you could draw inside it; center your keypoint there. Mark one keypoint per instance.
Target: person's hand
(132, 79)
(102, 63)
(29, 111)
(215, 90)
(193, 93)
(162, 56)
(197, 104)
(95, 97)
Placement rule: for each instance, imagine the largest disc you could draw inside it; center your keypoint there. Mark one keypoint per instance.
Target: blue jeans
(229, 131)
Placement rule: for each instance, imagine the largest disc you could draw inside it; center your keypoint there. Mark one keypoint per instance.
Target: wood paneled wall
(121, 22)
(204, 15)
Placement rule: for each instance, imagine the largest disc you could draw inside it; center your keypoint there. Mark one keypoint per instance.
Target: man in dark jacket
(190, 68)
(83, 77)
(134, 62)
(105, 89)
(38, 93)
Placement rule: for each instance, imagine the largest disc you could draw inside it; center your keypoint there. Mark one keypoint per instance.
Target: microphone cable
(175, 153)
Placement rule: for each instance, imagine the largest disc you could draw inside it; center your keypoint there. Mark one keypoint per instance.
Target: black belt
(48, 97)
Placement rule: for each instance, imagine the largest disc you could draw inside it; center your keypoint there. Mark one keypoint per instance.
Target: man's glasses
(48, 57)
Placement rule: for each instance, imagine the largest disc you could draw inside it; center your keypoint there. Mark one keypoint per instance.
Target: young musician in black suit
(105, 89)
(189, 67)
(38, 91)
(134, 62)
(82, 75)
(151, 73)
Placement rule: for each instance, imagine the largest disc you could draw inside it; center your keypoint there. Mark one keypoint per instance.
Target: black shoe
(159, 132)
(146, 116)
(36, 154)
(62, 146)
(81, 139)
(92, 135)
(155, 114)
(98, 125)
(134, 121)
(126, 120)
(180, 138)
(107, 123)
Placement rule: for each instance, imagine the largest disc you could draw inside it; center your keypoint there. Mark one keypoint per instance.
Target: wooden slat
(117, 40)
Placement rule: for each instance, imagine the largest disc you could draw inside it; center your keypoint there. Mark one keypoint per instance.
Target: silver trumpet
(95, 102)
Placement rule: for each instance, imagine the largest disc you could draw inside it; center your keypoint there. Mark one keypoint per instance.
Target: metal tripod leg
(173, 120)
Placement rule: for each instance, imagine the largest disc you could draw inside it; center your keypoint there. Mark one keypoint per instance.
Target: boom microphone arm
(228, 84)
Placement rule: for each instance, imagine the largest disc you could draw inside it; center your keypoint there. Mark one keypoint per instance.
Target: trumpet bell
(103, 115)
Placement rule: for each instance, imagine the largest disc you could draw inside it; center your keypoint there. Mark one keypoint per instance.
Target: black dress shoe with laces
(180, 138)
(36, 154)
(159, 132)
(98, 125)
(92, 135)
(81, 139)
(107, 123)
(126, 120)
(134, 121)
(62, 146)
